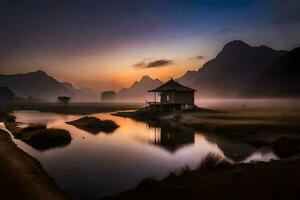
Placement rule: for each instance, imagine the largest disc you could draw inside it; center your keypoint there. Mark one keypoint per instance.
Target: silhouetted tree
(108, 95)
(64, 99)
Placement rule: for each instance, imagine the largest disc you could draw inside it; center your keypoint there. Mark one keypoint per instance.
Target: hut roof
(172, 85)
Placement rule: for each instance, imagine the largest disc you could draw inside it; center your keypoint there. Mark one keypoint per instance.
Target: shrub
(11, 119)
(285, 147)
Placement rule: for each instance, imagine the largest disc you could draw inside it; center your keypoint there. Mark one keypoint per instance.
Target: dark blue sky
(107, 37)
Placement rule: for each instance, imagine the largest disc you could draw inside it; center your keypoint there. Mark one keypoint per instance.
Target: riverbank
(271, 127)
(23, 177)
(255, 127)
(272, 180)
(277, 128)
(75, 108)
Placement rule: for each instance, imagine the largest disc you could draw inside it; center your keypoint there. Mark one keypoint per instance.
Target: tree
(64, 99)
(108, 95)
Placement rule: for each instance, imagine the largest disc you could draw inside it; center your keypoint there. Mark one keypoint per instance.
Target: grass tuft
(10, 118)
(172, 174)
(184, 170)
(213, 161)
(34, 127)
(147, 182)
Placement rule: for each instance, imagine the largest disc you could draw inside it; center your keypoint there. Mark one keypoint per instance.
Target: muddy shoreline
(22, 176)
(261, 180)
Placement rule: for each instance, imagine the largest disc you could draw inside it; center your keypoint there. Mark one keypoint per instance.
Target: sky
(108, 44)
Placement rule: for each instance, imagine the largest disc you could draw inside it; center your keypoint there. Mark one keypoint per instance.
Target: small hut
(173, 96)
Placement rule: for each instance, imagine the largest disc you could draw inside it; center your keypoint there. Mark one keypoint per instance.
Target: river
(99, 164)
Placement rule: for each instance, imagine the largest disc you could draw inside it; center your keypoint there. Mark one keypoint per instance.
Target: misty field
(76, 108)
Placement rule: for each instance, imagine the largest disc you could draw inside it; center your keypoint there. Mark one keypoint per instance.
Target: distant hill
(281, 78)
(68, 85)
(230, 73)
(84, 93)
(87, 94)
(38, 85)
(138, 90)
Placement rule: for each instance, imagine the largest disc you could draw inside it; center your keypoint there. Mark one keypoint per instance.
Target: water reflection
(47, 148)
(94, 165)
(171, 137)
(235, 151)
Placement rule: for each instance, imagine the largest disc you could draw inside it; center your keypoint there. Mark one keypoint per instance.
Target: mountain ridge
(281, 78)
(238, 70)
(139, 88)
(234, 67)
(39, 84)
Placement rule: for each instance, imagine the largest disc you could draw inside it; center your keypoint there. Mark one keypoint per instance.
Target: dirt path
(22, 177)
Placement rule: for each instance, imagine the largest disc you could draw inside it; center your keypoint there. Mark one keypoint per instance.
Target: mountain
(68, 85)
(87, 94)
(231, 71)
(138, 90)
(188, 78)
(42, 86)
(35, 84)
(281, 78)
(82, 94)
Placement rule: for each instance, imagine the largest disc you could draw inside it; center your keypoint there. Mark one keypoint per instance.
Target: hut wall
(164, 97)
(177, 97)
(184, 98)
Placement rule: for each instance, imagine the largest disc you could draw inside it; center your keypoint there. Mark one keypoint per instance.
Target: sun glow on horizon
(96, 44)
